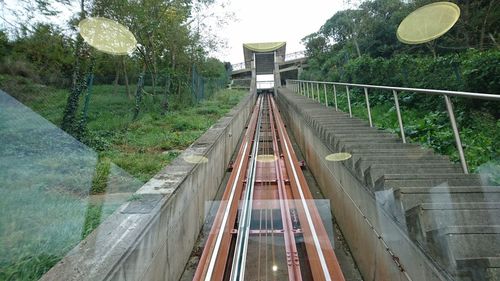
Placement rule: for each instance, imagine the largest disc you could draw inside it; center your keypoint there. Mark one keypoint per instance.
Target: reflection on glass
(107, 36)
(265, 158)
(335, 157)
(50, 196)
(274, 232)
(428, 23)
(195, 159)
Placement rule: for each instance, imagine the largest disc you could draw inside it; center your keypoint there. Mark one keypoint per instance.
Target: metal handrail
(238, 66)
(405, 89)
(306, 88)
(295, 55)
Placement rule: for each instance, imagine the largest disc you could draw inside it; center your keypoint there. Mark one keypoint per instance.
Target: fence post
(451, 114)
(400, 120)
(368, 107)
(317, 91)
(326, 97)
(335, 97)
(348, 101)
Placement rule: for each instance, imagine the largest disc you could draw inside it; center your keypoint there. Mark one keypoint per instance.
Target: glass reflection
(49, 197)
(107, 36)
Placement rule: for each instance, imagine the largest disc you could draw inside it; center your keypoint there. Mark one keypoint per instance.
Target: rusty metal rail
(267, 226)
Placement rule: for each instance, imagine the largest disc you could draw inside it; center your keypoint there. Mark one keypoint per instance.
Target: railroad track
(267, 226)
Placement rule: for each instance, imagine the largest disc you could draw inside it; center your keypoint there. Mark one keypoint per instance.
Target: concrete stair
(455, 246)
(452, 216)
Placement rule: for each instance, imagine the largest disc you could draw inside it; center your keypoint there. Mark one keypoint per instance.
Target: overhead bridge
(245, 209)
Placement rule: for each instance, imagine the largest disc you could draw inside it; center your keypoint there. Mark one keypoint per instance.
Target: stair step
(377, 171)
(426, 217)
(458, 243)
(378, 145)
(364, 162)
(366, 159)
(402, 180)
(376, 139)
(486, 268)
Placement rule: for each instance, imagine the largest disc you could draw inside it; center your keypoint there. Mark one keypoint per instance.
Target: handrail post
(317, 91)
(307, 88)
(348, 101)
(326, 97)
(335, 97)
(451, 114)
(312, 90)
(368, 107)
(398, 112)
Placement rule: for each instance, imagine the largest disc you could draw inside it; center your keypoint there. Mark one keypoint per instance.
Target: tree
(344, 27)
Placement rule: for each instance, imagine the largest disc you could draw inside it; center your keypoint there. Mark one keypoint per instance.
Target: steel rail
(220, 234)
(322, 247)
(294, 272)
(241, 247)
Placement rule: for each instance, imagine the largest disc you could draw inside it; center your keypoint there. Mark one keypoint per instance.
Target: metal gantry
(296, 85)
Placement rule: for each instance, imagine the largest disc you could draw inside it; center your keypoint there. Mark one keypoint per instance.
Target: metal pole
(312, 90)
(348, 101)
(326, 97)
(335, 97)
(400, 120)
(368, 107)
(317, 91)
(307, 89)
(461, 154)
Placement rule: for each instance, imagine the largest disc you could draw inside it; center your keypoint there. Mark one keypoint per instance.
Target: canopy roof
(264, 47)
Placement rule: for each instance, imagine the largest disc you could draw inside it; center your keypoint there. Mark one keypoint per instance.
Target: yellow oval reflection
(428, 23)
(265, 158)
(335, 157)
(107, 36)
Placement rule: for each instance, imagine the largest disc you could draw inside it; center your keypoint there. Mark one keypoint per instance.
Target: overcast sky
(273, 20)
(254, 21)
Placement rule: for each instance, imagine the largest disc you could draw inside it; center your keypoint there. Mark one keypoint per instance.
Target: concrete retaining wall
(151, 237)
(368, 229)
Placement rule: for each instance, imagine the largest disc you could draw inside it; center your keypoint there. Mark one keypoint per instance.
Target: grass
(46, 176)
(141, 147)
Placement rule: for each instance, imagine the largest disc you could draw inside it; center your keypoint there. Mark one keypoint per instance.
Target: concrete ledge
(151, 238)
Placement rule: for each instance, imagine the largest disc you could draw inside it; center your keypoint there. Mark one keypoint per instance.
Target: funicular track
(267, 226)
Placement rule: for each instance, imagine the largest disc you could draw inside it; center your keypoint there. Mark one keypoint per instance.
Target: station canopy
(262, 48)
